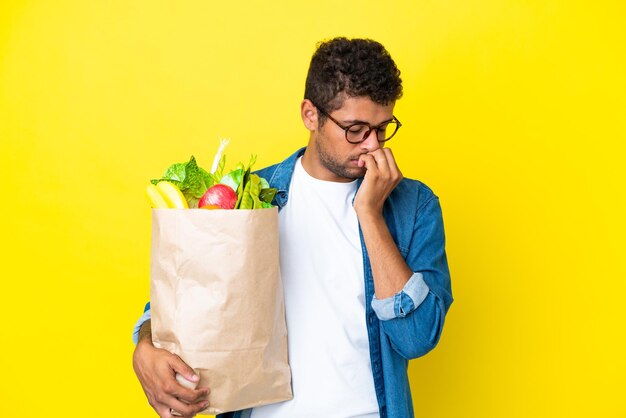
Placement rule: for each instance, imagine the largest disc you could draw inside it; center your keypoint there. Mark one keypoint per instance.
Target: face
(329, 156)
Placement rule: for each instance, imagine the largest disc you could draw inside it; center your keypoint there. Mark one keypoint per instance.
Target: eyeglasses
(360, 131)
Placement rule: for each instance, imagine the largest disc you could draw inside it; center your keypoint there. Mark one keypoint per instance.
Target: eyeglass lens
(359, 132)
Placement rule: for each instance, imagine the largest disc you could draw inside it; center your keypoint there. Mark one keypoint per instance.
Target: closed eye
(357, 128)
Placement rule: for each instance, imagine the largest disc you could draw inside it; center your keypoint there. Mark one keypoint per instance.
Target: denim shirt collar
(281, 178)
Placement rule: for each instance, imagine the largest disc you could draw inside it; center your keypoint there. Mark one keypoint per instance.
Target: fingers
(156, 369)
(181, 389)
(184, 409)
(173, 407)
(187, 395)
(393, 167)
(381, 177)
(164, 410)
(379, 161)
(178, 365)
(169, 406)
(367, 161)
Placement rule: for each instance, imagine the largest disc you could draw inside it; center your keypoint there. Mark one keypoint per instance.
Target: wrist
(145, 340)
(369, 214)
(144, 343)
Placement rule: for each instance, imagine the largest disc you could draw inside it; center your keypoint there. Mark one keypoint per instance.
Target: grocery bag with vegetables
(215, 288)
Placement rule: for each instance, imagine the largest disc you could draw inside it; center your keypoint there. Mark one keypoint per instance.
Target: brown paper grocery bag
(216, 298)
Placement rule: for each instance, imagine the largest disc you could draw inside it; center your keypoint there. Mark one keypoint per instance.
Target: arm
(411, 297)
(413, 318)
(390, 271)
(156, 370)
(382, 175)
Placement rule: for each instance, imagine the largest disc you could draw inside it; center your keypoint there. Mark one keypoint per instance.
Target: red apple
(219, 195)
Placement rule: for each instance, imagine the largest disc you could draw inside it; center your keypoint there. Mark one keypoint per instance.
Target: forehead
(364, 109)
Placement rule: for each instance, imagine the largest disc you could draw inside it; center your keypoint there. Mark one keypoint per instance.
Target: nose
(371, 141)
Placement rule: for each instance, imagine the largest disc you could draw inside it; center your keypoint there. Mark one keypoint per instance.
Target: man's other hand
(156, 369)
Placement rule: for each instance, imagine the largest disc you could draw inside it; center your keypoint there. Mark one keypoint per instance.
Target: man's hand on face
(381, 177)
(156, 369)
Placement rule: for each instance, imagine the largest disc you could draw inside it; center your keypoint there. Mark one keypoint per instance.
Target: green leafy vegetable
(255, 189)
(246, 201)
(191, 179)
(254, 196)
(267, 195)
(233, 179)
(241, 190)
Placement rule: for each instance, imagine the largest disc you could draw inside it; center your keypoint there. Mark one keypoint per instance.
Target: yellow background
(514, 113)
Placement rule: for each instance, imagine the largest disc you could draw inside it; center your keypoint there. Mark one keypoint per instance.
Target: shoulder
(279, 175)
(267, 172)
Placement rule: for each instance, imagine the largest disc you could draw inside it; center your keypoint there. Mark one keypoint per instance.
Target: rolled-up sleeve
(404, 302)
(146, 315)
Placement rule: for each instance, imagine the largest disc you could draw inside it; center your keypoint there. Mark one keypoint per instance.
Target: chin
(343, 169)
(354, 172)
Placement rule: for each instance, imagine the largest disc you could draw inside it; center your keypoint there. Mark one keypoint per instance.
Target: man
(362, 255)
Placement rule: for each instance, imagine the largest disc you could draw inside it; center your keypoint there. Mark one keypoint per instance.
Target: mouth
(354, 162)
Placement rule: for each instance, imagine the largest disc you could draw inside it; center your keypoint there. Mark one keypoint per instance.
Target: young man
(362, 254)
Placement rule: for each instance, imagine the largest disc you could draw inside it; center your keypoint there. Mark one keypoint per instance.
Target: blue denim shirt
(409, 324)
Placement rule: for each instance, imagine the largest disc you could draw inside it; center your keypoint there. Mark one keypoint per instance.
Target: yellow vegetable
(172, 195)
(154, 197)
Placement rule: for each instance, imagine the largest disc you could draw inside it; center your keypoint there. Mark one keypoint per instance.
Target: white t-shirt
(322, 270)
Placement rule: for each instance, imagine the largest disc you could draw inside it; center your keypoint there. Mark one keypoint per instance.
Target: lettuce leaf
(233, 179)
(267, 195)
(191, 179)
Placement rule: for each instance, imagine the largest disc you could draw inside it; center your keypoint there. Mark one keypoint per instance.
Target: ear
(308, 112)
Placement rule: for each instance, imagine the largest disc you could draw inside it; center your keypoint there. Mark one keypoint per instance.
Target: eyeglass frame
(370, 127)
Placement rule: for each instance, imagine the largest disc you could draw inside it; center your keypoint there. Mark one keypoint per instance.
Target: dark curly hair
(354, 67)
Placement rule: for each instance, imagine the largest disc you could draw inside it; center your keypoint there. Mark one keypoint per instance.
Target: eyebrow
(353, 121)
